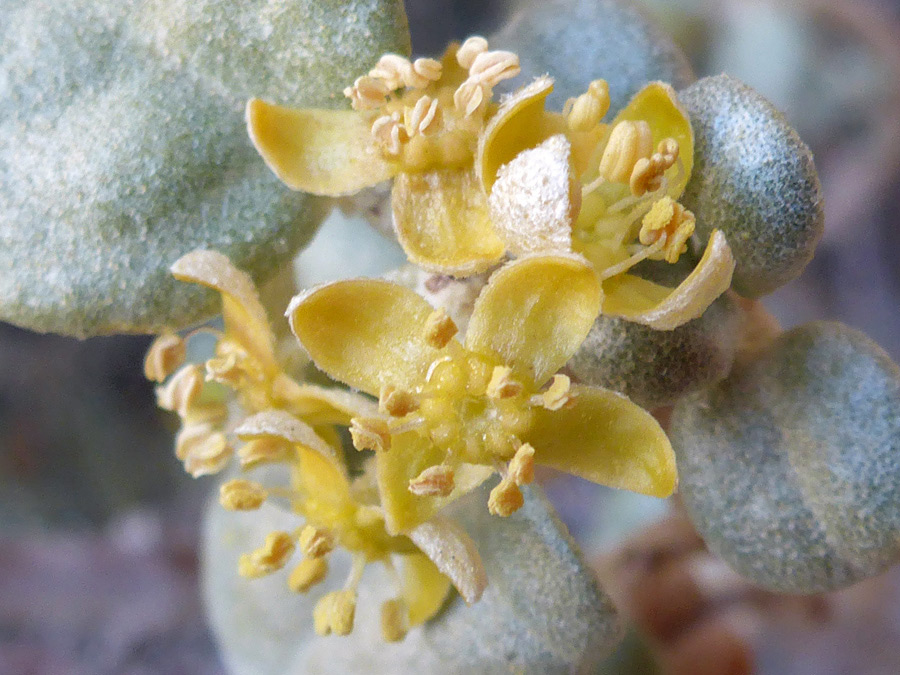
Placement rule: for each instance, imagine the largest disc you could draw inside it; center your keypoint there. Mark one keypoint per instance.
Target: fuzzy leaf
(123, 146)
(542, 611)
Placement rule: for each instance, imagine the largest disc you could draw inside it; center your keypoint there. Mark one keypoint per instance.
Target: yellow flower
(570, 183)
(475, 409)
(417, 122)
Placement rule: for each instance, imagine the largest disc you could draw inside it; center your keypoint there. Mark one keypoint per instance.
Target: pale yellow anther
(370, 433)
(558, 393)
(521, 466)
(628, 143)
(316, 542)
(389, 133)
(271, 557)
(397, 402)
(667, 218)
(491, 68)
(264, 451)
(469, 97)
(181, 391)
(505, 499)
(226, 370)
(394, 620)
(648, 173)
(585, 112)
(439, 329)
(470, 49)
(334, 613)
(390, 69)
(421, 73)
(203, 449)
(164, 356)
(502, 385)
(307, 574)
(423, 117)
(367, 93)
(242, 495)
(435, 481)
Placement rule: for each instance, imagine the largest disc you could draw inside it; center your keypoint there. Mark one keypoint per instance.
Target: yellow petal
(519, 124)
(322, 405)
(536, 198)
(409, 455)
(280, 424)
(534, 313)
(424, 588)
(442, 222)
(607, 439)
(666, 308)
(454, 554)
(366, 333)
(325, 152)
(245, 317)
(658, 105)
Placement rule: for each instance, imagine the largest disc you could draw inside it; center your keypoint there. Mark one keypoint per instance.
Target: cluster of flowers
(563, 205)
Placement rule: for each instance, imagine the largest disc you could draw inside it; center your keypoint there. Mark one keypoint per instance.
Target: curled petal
(245, 317)
(607, 439)
(281, 424)
(442, 222)
(366, 333)
(664, 308)
(454, 554)
(534, 313)
(424, 587)
(536, 198)
(325, 152)
(409, 455)
(324, 405)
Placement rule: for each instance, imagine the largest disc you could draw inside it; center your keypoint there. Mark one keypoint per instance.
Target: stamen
(182, 390)
(271, 557)
(307, 574)
(521, 467)
(670, 222)
(367, 93)
(242, 495)
(165, 355)
(435, 481)
(203, 450)
(491, 68)
(502, 385)
(225, 370)
(626, 265)
(421, 73)
(390, 69)
(505, 499)
(423, 117)
(370, 433)
(390, 134)
(469, 97)
(648, 173)
(439, 329)
(396, 402)
(470, 49)
(628, 142)
(557, 395)
(585, 112)
(335, 612)
(394, 620)
(316, 542)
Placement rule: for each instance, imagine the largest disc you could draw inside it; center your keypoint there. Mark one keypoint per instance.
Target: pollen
(242, 495)
(521, 467)
(505, 499)
(165, 355)
(394, 620)
(435, 481)
(334, 613)
(439, 329)
(397, 402)
(370, 433)
(557, 394)
(628, 143)
(308, 573)
(271, 557)
(585, 112)
(502, 385)
(316, 542)
(367, 93)
(669, 220)
(648, 173)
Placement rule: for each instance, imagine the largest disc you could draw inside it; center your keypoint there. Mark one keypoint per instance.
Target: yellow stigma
(669, 222)
(439, 329)
(316, 542)
(435, 481)
(502, 385)
(165, 355)
(334, 613)
(394, 620)
(271, 557)
(585, 112)
(370, 433)
(242, 495)
(307, 574)
(628, 143)
(505, 499)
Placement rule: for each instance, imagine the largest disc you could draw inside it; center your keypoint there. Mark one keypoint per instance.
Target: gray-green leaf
(755, 180)
(122, 146)
(790, 468)
(542, 612)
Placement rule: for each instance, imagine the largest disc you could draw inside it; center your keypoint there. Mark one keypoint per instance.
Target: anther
(435, 481)
(165, 355)
(307, 574)
(588, 109)
(502, 385)
(521, 466)
(422, 118)
(491, 68)
(334, 613)
(370, 433)
(266, 450)
(181, 391)
(505, 499)
(203, 450)
(469, 97)
(396, 402)
(316, 542)
(394, 620)
(439, 329)
(557, 394)
(648, 174)
(470, 49)
(367, 93)
(389, 133)
(421, 73)
(390, 69)
(670, 220)
(271, 557)
(628, 142)
(242, 495)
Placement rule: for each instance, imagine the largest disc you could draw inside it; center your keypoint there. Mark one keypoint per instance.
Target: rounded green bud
(754, 180)
(790, 468)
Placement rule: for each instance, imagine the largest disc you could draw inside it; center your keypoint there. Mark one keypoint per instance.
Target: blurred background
(99, 525)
